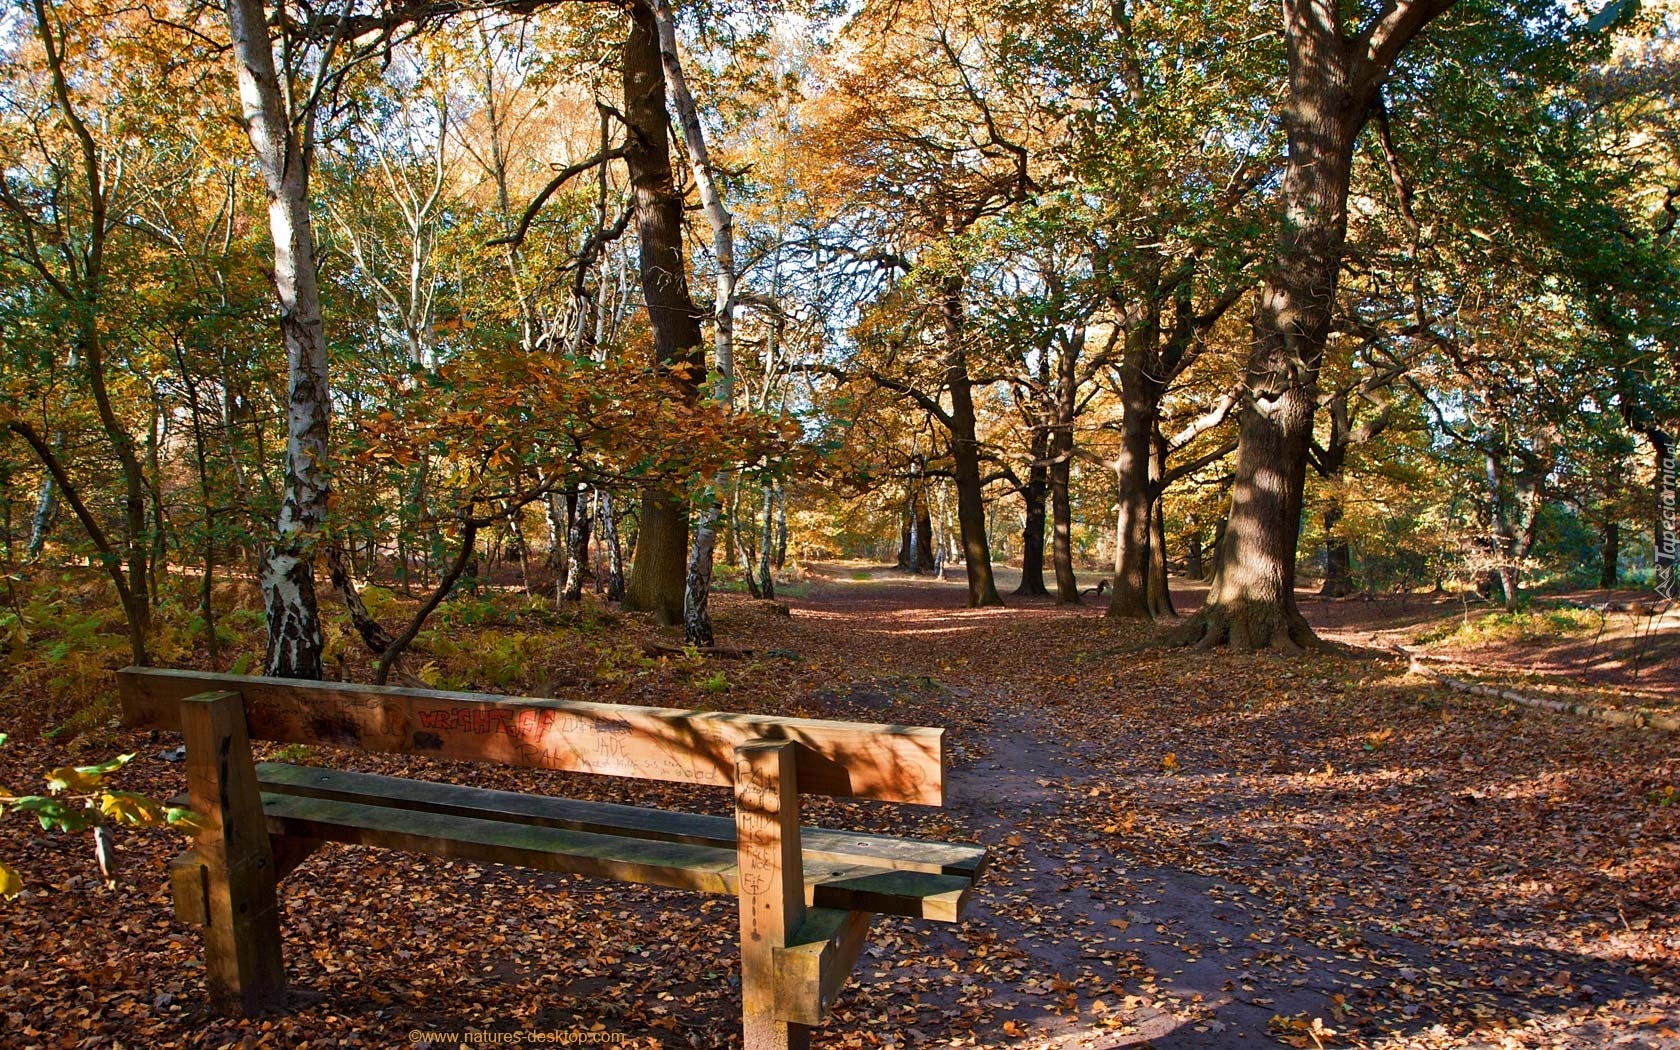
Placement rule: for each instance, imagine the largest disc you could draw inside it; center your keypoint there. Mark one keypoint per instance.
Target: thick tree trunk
(283, 149)
(1032, 531)
(965, 451)
(697, 622)
(1193, 557)
(658, 574)
(1251, 604)
(1129, 597)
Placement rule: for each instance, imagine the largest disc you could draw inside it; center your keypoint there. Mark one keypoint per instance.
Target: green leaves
(57, 813)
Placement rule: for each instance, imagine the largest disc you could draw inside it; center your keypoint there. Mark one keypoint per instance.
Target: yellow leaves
(10, 884)
(1121, 825)
(1169, 764)
(1377, 740)
(126, 807)
(1299, 1031)
(83, 778)
(69, 778)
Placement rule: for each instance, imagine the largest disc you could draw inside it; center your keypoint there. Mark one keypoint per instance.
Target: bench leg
(772, 885)
(239, 901)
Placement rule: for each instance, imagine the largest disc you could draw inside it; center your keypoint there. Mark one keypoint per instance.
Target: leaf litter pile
(1189, 850)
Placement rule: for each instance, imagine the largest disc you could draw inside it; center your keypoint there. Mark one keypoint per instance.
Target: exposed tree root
(1246, 627)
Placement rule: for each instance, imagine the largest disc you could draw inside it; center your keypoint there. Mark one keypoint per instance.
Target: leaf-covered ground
(1191, 850)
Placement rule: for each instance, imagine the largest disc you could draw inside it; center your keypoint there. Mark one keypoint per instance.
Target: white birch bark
(282, 149)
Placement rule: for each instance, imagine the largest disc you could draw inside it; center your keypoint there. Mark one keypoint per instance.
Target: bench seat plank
(681, 865)
(837, 847)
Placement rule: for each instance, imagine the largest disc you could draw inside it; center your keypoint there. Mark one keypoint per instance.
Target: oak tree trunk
(1251, 603)
(965, 452)
(1129, 594)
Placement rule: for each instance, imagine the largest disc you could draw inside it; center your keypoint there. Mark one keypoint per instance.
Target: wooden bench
(806, 895)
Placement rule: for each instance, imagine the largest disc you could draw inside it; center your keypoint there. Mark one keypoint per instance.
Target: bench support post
(772, 885)
(235, 860)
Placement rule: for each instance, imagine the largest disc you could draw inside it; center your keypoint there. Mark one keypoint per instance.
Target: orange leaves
(500, 414)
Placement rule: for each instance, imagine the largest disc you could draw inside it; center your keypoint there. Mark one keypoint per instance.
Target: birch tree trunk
(282, 150)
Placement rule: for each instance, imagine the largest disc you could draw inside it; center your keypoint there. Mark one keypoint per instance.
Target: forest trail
(1198, 851)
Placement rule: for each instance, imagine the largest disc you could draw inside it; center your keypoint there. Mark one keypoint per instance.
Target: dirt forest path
(1207, 851)
(1189, 851)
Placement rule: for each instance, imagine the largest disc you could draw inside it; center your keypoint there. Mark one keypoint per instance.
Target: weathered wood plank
(772, 900)
(673, 864)
(706, 869)
(820, 845)
(886, 762)
(813, 967)
(241, 912)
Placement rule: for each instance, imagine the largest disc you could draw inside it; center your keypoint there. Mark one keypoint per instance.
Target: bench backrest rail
(888, 763)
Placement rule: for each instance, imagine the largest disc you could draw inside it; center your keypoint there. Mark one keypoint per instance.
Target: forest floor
(1189, 850)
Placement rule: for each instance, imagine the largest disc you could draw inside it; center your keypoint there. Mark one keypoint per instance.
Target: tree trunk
(1160, 591)
(767, 579)
(615, 550)
(1032, 531)
(577, 545)
(781, 527)
(1251, 604)
(338, 572)
(697, 622)
(658, 575)
(1609, 553)
(83, 289)
(1219, 529)
(283, 149)
(965, 451)
(46, 507)
(1193, 557)
(1061, 473)
(1129, 597)
(1338, 556)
